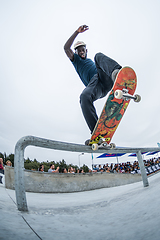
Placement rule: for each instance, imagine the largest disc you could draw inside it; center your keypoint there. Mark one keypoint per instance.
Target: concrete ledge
(39, 182)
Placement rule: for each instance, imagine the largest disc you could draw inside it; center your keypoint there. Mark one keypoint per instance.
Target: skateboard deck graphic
(114, 107)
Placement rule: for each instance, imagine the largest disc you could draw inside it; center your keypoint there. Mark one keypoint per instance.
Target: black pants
(98, 87)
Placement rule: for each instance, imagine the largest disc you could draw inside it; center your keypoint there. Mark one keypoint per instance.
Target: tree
(85, 168)
(1, 155)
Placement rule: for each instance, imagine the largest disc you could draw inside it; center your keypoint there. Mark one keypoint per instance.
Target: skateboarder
(98, 76)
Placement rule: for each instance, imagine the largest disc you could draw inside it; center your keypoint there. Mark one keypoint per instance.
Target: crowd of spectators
(151, 165)
(127, 167)
(118, 167)
(151, 162)
(52, 169)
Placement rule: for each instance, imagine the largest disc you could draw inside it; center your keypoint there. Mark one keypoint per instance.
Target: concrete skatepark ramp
(124, 212)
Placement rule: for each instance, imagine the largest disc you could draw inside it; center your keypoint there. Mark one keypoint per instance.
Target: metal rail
(63, 146)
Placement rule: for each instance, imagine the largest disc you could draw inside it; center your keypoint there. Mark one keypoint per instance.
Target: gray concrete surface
(119, 213)
(62, 183)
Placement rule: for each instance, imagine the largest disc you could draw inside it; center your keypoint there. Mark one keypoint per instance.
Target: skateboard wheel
(118, 94)
(137, 98)
(94, 146)
(112, 146)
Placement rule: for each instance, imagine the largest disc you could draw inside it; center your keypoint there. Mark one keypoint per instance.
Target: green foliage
(85, 168)
(1, 156)
(31, 165)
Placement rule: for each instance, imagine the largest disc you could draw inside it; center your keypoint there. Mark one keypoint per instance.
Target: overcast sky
(39, 87)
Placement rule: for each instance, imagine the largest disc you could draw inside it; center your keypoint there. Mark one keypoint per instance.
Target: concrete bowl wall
(39, 182)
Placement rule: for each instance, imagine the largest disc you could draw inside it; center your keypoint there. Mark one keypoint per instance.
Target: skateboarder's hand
(82, 28)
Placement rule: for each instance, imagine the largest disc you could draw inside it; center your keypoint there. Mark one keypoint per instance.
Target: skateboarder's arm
(68, 44)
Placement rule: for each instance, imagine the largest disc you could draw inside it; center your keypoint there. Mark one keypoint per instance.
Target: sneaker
(114, 74)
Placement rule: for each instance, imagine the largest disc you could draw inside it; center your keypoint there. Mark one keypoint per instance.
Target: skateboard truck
(102, 144)
(123, 94)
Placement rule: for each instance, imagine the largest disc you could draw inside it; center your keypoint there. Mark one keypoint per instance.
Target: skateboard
(122, 92)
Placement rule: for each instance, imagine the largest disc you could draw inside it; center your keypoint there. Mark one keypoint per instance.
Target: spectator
(71, 170)
(41, 168)
(116, 169)
(64, 170)
(95, 168)
(81, 171)
(1, 169)
(133, 171)
(138, 170)
(100, 168)
(104, 167)
(1, 166)
(8, 163)
(52, 169)
(111, 166)
(107, 170)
